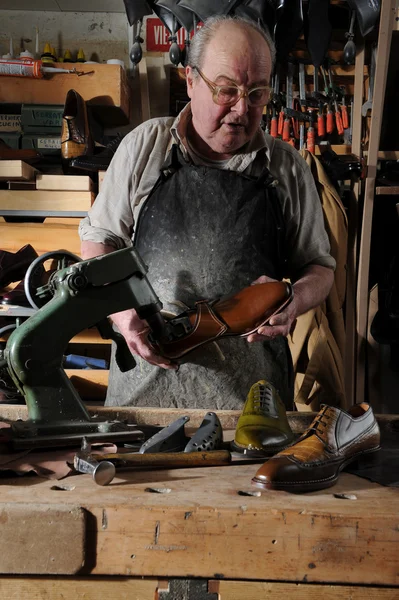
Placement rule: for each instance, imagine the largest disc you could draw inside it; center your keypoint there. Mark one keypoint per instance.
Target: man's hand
(135, 331)
(310, 289)
(280, 324)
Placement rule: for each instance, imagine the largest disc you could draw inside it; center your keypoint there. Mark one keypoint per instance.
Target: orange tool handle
(287, 129)
(310, 140)
(330, 121)
(345, 118)
(280, 123)
(274, 127)
(321, 125)
(338, 121)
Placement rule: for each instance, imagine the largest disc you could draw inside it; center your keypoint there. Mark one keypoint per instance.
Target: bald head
(233, 25)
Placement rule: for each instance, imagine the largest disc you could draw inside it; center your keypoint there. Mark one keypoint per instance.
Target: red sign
(158, 36)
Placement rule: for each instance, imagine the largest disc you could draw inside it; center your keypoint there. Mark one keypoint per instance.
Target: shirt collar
(261, 142)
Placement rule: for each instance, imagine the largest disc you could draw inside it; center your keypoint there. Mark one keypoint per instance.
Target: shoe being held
(263, 428)
(335, 439)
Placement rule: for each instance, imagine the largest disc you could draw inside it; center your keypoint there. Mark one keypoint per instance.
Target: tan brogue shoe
(263, 428)
(334, 439)
(76, 139)
(237, 315)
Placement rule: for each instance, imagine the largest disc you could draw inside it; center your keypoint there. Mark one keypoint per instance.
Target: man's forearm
(312, 287)
(93, 249)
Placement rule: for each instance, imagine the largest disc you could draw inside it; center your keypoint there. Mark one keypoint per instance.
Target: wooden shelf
(386, 190)
(104, 87)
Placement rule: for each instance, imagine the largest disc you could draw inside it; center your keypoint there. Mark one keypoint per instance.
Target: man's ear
(189, 80)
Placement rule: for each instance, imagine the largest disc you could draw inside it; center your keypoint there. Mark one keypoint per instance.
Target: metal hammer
(102, 472)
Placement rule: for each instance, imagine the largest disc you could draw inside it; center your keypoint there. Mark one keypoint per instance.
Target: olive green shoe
(263, 428)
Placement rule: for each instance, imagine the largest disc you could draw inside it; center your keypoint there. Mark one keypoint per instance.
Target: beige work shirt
(136, 167)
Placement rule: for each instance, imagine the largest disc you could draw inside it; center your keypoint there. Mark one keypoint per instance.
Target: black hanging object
(288, 28)
(350, 46)
(136, 10)
(209, 8)
(263, 12)
(184, 16)
(136, 52)
(367, 13)
(318, 30)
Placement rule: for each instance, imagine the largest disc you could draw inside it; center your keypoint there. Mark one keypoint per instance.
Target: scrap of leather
(49, 464)
(237, 315)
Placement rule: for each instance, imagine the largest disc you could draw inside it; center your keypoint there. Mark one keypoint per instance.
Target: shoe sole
(255, 453)
(319, 484)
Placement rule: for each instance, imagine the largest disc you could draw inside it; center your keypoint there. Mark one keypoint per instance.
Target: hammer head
(102, 472)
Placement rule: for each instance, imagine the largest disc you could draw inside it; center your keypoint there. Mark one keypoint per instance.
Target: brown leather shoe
(13, 265)
(27, 155)
(75, 134)
(334, 439)
(238, 315)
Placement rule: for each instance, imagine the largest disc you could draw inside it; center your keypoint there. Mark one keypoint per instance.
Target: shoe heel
(366, 460)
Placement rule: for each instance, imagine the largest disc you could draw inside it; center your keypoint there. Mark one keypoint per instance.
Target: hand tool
(102, 467)
(330, 114)
(102, 472)
(289, 104)
(344, 112)
(369, 103)
(349, 54)
(302, 100)
(276, 89)
(338, 119)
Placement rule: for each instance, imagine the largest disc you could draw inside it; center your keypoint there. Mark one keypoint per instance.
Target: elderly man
(213, 205)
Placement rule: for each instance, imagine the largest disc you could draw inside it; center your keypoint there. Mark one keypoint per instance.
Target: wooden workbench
(104, 540)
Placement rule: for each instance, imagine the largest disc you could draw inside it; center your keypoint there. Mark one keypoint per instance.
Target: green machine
(74, 298)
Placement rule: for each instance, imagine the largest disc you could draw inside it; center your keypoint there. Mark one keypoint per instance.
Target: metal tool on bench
(103, 466)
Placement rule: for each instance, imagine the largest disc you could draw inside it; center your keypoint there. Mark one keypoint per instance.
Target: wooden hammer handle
(167, 459)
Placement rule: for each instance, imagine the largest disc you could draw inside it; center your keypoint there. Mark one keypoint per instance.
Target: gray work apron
(206, 233)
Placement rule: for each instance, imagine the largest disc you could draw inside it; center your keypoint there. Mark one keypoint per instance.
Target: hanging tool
(276, 89)
(330, 114)
(338, 119)
(368, 105)
(289, 104)
(344, 112)
(302, 101)
(349, 54)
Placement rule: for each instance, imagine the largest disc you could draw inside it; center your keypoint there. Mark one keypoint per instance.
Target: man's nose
(241, 107)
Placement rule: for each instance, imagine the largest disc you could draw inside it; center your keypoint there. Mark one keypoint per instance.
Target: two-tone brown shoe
(335, 439)
(237, 315)
(76, 139)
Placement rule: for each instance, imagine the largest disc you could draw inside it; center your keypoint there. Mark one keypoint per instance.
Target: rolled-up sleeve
(129, 179)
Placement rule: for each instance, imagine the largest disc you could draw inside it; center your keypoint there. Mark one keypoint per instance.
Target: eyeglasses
(228, 95)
